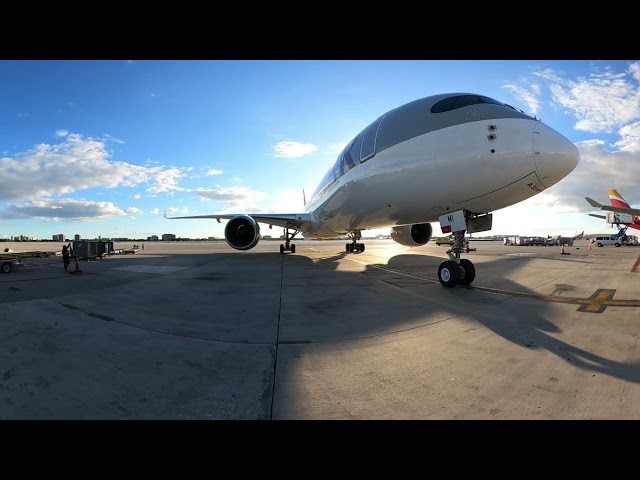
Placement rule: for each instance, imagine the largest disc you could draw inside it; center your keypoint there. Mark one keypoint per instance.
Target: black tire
(293, 248)
(599, 244)
(449, 274)
(617, 244)
(281, 248)
(6, 267)
(346, 247)
(362, 247)
(468, 272)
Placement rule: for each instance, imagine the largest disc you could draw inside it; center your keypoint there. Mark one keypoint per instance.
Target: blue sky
(104, 147)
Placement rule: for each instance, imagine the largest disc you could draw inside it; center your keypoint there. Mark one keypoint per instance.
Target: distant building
(59, 237)
(168, 236)
(24, 238)
(153, 238)
(76, 237)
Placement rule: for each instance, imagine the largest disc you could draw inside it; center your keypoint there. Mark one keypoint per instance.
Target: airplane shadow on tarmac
(524, 324)
(259, 334)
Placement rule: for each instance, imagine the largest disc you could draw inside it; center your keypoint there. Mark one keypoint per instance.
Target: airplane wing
(296, 221)
(630, 211)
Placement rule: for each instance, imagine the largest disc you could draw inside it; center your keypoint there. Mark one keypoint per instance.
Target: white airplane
(449, 158)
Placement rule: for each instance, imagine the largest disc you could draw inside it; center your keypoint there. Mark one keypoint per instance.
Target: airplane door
(368, 148)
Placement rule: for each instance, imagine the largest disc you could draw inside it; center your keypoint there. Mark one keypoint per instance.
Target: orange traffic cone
(77, 270)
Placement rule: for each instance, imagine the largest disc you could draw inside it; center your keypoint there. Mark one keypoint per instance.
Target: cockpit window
(451, 103)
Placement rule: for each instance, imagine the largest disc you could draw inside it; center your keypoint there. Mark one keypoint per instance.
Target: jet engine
(242, 232)
(412, 235)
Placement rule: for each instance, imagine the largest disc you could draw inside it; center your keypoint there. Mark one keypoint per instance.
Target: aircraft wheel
(281, 248)
(346, 247)
(293, 248)
(351, 248)
(468, 272)
(362, 247)
(6, 267)
(449, 274)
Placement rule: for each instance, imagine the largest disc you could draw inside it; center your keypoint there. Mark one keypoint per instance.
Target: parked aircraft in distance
(622, 214)
(449, 158)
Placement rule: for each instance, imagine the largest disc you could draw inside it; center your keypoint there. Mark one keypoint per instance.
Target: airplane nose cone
(555, 155)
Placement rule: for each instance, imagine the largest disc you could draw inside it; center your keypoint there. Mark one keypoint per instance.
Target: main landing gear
(354, 246)
(288, 246)
(456, 270)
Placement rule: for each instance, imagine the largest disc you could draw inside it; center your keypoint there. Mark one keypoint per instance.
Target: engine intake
(412, 235)
(242, 232)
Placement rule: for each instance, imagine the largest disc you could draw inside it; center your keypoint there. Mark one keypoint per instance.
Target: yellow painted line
(636, 265)
(596, 303)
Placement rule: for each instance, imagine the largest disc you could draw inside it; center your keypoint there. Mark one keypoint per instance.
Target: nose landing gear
(456, 270)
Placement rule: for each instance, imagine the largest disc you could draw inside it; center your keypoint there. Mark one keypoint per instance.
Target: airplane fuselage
(420, 165)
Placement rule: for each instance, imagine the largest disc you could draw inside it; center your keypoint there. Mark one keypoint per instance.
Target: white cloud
(214, 172)
(65, 209)
(602, 101)
(236, 198)
(630, 138)
(529, 95)
(134, 210)
(77, 163)
(291, 149)
(137, 196)
(110, 138)
(599, 170)
(61, 133)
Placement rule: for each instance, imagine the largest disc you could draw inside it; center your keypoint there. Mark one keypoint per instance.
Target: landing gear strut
(354, 246)
(456, 270)
(288, 246)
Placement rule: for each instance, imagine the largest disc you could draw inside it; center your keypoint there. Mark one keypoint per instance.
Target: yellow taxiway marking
(596, 303)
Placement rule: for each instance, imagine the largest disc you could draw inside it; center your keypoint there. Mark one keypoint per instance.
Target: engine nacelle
(412, 235)
(242, 232)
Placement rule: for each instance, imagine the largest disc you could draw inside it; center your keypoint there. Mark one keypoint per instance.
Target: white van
(607, 240)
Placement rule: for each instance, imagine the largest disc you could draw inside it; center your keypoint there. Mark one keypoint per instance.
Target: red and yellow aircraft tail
(617, 201)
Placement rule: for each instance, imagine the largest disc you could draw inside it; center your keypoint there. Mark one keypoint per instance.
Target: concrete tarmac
(201, 331)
